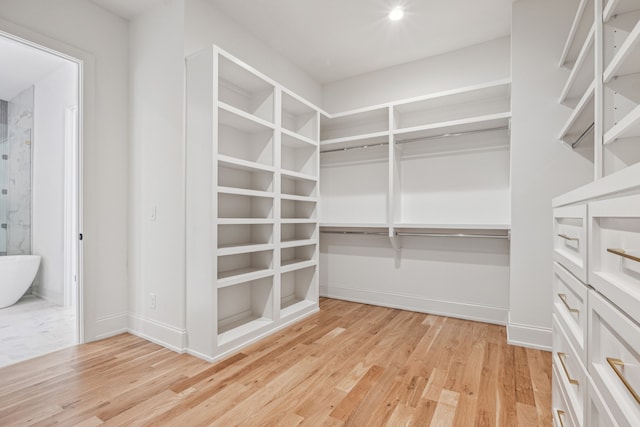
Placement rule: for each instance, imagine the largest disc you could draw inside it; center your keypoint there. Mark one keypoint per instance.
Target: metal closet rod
(423, 138)
(419, 234)
(583, 135)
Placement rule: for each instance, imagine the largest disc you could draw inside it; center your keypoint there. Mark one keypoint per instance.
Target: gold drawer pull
(563, 298)
(623, 254)
(615, 365)
(561, 415)
(561, 356)
(565, 237)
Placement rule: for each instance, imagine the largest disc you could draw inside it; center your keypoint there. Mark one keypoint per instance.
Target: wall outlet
(152, 300)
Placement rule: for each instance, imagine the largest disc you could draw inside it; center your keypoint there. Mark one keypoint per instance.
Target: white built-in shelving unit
(252, 204)
(439, 161)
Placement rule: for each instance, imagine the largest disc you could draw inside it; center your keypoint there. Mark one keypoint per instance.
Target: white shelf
(582, 72)
(454, 226)
(617, 7)
(245, 192)
(244, 248)
(455, 126)
(296, 264)
(241, 275)
(296, 136)
(298, 175)
(582, 115)
(576, 26)
(241, 327)
(355, 123)
(627, 60)
(299, 220)
(296, 243)
(241, 120)
(245, 221)
(369, 138)
(296, 306)
(241, 164)
(298, 198)
(352, 225)
(628, 127)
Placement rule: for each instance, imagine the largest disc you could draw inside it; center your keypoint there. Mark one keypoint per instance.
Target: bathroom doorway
(40, 200)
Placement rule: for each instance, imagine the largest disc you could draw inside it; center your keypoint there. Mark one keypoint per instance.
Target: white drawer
(571, 372)
(570, 239)
(562, 414)
(614, 226)
(614, 361)
(598, 413)
(570, 306)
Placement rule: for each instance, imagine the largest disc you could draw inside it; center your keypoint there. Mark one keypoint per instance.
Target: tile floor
(33, 327)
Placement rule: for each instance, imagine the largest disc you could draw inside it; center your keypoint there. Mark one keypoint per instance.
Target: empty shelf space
(251, 181)
(582, 72)
(244, 308)
(244, 192)
(297, 175)
(237, 268)
(360, 141)
(297, 254)
(619, 7)
(294, 209)
(580, 118)
(244, 206)
(244, 235)
(299, 158)
(626, 59)
(248, 146)
(467, 227)
(297, 187)
(354, 225)
(354, 125)
(298, 290)
(298, 198)
(298, 221)
(296, 264)
(245, 221)
(452, 106)
(578, 32)
(498, 121)
(243, 88)
(628, 127)
(241, 120)
(296, 233)
(295, 139)
(299, 117)
(243, 165)
(296, 243)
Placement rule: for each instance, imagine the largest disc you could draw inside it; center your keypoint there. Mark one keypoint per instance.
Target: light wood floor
(351, 364)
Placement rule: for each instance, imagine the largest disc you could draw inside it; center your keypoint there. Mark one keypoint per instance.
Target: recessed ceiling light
(396, 13)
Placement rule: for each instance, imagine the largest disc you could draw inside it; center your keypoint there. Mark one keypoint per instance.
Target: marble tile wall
(20, 131)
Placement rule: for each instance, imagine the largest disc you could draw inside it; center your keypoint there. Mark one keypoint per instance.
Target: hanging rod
(584, 134)
(366, 233)
(448, 135)
(358, 147)
(483, 236)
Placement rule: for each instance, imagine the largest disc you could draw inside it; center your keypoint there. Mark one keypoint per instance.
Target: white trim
(157, 332)
(460, 310)
(110, 325)
(529, 336)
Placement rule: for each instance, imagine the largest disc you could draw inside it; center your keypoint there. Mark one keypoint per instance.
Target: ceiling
(22, 66)
(335, 39)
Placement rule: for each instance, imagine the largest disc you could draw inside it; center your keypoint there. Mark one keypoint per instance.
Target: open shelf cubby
(299, 156)
(354, 125)
(299, 117)
(298, 255)
(297, 290)
(245, 140)
(244, 206)
(235, 176)
(297, 209)
(244, 308)
(292, 233)
(245, 90)
(244, 235)
(243, 267)
(298, 186)
(578, 32)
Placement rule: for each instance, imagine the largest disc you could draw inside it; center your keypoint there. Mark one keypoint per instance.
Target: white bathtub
(16, 274)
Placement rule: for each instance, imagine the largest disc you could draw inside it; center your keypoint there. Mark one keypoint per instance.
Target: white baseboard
(157, 332)
(111, 325)
(529, 336)
(459, 310)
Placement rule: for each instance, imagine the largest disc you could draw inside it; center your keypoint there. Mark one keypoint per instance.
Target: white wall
(53, 94)
(206, 25)
(81, 28)
(541, 166)
(472, 65)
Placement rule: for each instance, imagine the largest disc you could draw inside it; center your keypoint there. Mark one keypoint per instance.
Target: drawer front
(614, 230)
(614, 361)
(571, 373)
(598, 413)
(570, 306)
(562, 416)
(570, 239)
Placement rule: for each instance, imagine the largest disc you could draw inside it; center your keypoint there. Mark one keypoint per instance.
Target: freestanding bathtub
(16, 274)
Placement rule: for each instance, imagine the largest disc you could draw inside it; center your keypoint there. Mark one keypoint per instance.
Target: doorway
(40, 198)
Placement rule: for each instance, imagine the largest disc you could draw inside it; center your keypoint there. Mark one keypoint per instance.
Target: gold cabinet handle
(561, 414)
(565, 237)
(561, 356)
(563, 298)
(616, 364)
(623, 254)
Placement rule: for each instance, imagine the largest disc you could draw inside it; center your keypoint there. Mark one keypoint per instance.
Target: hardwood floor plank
(348, 365)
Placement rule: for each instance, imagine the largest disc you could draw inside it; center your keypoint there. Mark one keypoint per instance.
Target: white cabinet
(252, 188)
